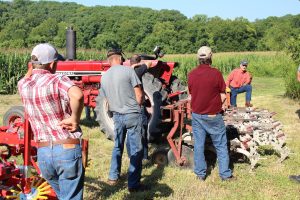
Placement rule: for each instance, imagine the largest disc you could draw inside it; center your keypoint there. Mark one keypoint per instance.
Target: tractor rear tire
(176, 86)
(14, 113)
(104, 117)
(155, 95)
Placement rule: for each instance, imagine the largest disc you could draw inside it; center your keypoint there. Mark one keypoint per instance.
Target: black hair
(135, 59)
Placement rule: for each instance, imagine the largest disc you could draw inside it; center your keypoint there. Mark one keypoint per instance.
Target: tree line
(24, 23)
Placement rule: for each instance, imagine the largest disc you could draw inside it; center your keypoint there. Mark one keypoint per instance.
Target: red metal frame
(180, 112)
(10, 174)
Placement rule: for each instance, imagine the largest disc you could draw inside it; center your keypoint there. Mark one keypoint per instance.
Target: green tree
(104, 41)
(45, 32)
(60, 39)
(14, 34)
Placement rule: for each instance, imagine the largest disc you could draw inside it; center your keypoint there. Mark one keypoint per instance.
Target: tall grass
(90, 54)
(261, 64)
(292, 86)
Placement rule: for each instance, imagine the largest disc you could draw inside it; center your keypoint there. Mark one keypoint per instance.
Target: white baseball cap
(204, 52)
(45, 53)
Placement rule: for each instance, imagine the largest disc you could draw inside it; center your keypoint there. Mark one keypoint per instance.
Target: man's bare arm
(76, 102)
(224, 102)
(139, 95)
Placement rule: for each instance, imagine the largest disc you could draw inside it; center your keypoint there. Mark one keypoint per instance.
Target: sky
(226, 9)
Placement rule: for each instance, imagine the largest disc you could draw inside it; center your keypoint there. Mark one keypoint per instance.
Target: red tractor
(160, 86)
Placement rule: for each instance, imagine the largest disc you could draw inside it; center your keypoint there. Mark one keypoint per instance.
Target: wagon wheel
(39, 189)
(187, 154)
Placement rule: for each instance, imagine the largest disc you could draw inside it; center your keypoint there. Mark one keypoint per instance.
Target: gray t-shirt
(117, 85)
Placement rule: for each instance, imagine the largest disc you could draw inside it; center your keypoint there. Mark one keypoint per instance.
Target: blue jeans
(88, 112)
(130, 124)
(145, 132)
(63, 170)
(236, 91)
(213, 126)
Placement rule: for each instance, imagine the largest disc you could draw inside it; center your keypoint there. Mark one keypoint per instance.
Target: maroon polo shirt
(205, 85)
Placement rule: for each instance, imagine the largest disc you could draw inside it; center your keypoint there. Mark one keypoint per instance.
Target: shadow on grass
(88, 122)
(156, 189)
(101, 190)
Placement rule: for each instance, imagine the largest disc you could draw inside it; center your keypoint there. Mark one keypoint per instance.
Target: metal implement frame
(178, 113)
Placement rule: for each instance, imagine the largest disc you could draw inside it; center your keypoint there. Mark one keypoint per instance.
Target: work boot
(229, 179)
(202, 179)
(248, 104)
(112, 182)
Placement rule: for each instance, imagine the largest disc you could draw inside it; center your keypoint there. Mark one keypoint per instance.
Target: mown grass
(268, 181)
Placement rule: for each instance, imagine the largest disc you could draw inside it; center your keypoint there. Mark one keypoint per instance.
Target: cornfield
(261, 64)
(13, 65)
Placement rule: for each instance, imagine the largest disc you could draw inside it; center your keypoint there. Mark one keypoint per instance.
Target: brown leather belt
(66, 141)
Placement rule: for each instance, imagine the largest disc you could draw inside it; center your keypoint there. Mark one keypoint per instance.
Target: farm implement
(20, 176)
(247, 129)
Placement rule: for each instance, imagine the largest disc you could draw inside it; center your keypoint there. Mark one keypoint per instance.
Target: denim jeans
(130, 124)
(63, 170)
(236, 91)
(213, 126)
(88, 113)
(145, 132)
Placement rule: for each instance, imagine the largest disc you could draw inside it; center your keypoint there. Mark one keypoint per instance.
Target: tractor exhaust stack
(70, 43)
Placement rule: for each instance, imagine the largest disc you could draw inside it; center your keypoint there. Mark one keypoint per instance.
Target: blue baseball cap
(244, 62)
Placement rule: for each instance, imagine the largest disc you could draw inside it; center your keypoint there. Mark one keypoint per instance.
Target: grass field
(268, 181)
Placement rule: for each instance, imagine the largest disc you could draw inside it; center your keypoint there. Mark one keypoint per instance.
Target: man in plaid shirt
(53, 105)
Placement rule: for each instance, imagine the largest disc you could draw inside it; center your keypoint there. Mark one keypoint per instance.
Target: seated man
(239, 81)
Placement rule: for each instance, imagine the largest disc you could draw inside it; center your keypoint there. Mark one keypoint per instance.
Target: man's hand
(149, 64)
(29, 72)
(70, 124)
(224, 102)
(228, 90)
